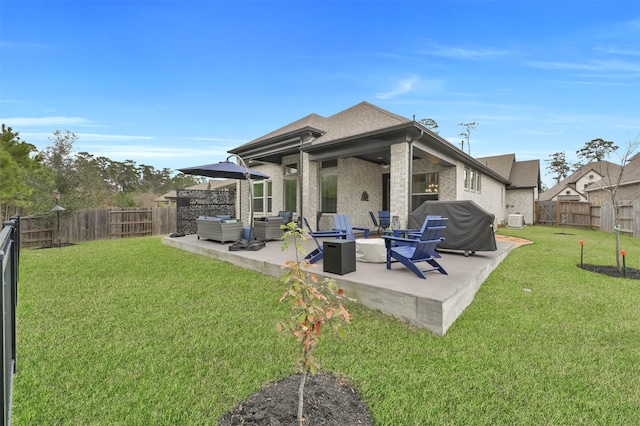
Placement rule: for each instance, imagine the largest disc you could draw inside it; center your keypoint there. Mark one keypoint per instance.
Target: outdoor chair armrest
(389, 239)
(365, 230)
(332, 233)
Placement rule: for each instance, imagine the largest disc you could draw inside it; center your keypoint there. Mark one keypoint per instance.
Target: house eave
(341, 147)
(596, 187)
(276, 147)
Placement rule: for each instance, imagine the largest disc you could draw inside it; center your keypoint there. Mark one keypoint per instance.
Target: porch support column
(308, 199)
(400, 182)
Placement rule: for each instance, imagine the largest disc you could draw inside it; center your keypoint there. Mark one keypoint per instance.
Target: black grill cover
(470, 227)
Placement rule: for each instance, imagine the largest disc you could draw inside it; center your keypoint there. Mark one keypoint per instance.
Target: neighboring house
(523, 189)
(627, 190)
(573, 188)
(366, 159)
(170, 198)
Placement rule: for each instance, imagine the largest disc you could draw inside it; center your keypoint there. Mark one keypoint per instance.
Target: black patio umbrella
(225, 169)
(228, 170)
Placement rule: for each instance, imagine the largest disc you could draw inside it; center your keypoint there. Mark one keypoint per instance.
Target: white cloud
(463, 53)
(45, 121)
(587, 66)
(618, 51)
(235, 141)
(158, 157)
(403, 86)
(107, 137)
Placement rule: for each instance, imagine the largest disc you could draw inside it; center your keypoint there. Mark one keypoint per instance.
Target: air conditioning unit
(516, 221)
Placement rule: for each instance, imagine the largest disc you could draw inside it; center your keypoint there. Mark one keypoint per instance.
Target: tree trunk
(617, 232)
(303, 379)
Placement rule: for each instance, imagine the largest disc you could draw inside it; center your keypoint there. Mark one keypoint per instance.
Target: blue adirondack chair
(385, 218)
(434, 227)
(317, 254)
(342, 222)
(375, 222)
(410, 251)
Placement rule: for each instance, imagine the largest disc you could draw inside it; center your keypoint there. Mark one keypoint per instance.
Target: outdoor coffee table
(371, 250)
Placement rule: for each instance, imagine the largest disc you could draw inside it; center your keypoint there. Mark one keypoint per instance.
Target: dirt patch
(612, 271)
(516, 240)
(328, 401)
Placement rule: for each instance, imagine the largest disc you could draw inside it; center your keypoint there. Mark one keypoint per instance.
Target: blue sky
(178, 83)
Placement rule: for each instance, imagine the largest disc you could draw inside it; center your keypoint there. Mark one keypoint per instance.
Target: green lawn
(132, 332)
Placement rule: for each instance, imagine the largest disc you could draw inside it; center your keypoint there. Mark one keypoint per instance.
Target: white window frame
(472, 180)
(266, 197)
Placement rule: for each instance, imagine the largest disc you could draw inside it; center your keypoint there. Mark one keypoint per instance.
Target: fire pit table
(371, 250)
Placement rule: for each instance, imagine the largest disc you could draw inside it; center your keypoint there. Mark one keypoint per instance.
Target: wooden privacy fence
(39, 231)
(584, 215)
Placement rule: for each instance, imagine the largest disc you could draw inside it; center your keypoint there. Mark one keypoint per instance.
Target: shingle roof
(631, 171)
(361, 118)
(521, 174)
(501, 164)
(351, 126)
(314, 121)
(630, 174)
(525, 174)
(603, 168)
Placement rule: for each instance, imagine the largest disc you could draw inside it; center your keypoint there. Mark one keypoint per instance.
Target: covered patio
(434, 303)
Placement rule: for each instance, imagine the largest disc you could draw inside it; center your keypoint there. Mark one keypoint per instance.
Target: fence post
(9, 266)
(636, 218)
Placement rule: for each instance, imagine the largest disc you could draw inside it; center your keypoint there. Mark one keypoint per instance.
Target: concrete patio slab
(434, 303)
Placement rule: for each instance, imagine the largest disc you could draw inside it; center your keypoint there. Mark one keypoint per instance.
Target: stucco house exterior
(573, 187)
(523, 189)
(627, 190)
(368, 159)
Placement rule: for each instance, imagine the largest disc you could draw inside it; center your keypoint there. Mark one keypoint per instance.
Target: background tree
(91, 184)
(28, 178)
(596, 150)
(576, 166)
(22, 175)
(181, 180)
(558, 165)
(429, 123)
(61, 159)
(467, 133)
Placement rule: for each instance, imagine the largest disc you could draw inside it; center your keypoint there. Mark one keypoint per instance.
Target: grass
(131, 332)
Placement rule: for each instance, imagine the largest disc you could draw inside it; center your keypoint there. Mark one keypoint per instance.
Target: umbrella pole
(248, 179)
(250, 208)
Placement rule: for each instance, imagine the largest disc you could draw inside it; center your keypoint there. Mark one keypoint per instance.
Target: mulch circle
(328, 401)
(612, 271)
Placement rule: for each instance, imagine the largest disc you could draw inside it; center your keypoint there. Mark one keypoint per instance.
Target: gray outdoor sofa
(218, 229)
